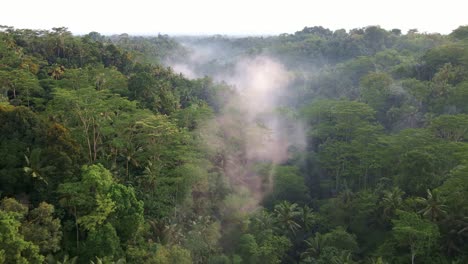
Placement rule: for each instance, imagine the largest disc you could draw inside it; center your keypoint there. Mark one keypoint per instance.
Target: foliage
(108, 156)
(14, 247)
(412, 232)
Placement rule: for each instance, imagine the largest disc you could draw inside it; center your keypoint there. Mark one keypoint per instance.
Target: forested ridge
(128, 149)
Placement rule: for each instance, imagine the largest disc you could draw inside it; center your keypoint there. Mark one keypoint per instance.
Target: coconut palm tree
(377, 260)
(57, 71)
(391, 201)
(263, 220)
(130, 153)
(307, 217)
(314, 246)
(434, 208)
(346, 195)
(344, 258)
(286, 215)
(35, 165)
(455, 232)
(66, 260)
(100, 261)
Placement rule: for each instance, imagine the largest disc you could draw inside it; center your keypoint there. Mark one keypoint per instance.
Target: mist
(312, 146)
(252, 115)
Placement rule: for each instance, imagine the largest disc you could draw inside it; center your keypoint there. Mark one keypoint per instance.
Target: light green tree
(418, 235)
(13, 247)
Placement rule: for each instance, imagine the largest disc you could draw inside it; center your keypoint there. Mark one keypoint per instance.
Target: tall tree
(418, 235)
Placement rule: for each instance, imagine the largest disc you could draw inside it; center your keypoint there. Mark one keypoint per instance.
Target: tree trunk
(127, 168)
(77, 232)
(86, 130)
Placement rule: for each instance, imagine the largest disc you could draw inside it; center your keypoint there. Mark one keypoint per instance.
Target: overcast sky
(236, 17)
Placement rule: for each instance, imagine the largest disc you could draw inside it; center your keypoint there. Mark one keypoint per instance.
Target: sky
(236, 17)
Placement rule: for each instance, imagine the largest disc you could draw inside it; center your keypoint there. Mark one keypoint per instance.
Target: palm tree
(263, 220)
(165, 232)
(156, 229)
(57, 71)
(314, 246)
(391, 201)
(463, 226)
(286, 214)
(378, 260)
(149, 179)
(174, 234)
(100, 261)
(346, 195)
(344, 258)
(455, 229)
(307, 217)
(35, 166)
(434, 208)
(66, 260)
(130, 153)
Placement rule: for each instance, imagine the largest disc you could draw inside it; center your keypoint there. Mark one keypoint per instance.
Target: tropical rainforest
(318, 146)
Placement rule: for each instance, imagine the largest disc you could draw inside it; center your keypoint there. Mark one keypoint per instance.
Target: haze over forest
(226, 17)
(314, 146)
